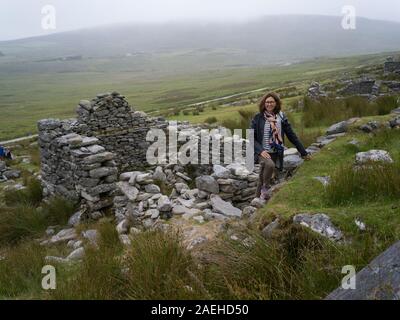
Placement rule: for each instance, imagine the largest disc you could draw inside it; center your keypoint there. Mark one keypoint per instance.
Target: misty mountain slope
(266, 40)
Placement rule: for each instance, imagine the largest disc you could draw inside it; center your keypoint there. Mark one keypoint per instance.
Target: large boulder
(380, 280)
(207, 183)
(292, 162)
(337, 128)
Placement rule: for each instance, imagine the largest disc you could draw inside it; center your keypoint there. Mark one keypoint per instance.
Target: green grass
(55, 94)
(305, 194)
(24, 216)
(21, 271)
(328, 110)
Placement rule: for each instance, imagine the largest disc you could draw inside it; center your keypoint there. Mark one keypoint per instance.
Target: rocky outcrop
(379, 280)
(315, 91)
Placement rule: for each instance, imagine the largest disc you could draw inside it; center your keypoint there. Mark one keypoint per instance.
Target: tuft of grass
(24, 221)
(369, 183)
(242, 122)
(211, 120)
(21, 222)
(327, 111)
(58, 211)
(20, 271)
(159, 267)
(31, 196)
(296, 264)
(99, 276)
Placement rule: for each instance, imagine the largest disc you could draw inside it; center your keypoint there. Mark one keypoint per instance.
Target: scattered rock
(258, 203)
(77, 254)
(373, 156)
(91, 235)
(360, 224)
(319, 223)
(249, 211)
(75, 219)
(224, 207)
(324, 180)
(64, 235)
(338, 128)
(269, 229)
(125, 240)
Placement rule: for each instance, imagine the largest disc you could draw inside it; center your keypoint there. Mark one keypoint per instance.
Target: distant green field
(39, 92)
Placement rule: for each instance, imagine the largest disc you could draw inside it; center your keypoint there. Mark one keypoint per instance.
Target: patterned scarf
(276, 137)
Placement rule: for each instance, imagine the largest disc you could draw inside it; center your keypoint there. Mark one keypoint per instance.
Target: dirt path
(3, 143)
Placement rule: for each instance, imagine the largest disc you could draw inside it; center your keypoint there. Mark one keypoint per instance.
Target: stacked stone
(315, 91)
(75, 166)
(393, 86)
(139, 200)
(7, 173)
(56, 164)
(391, 66)
(360, 87)
(120, 129)
(235, 184)
(218, 136)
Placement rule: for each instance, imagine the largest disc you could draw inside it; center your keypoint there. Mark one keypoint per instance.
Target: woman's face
(270, 104)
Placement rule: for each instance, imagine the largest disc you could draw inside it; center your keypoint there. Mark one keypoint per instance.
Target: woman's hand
(265, 155)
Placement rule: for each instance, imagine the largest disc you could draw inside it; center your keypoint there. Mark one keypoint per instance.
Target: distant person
(5, 154)
(270, 126)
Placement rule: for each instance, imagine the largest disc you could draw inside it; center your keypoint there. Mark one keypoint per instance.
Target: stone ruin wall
(81, 159)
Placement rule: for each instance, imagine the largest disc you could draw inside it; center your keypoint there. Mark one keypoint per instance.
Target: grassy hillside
(27, 96)
(158, 266)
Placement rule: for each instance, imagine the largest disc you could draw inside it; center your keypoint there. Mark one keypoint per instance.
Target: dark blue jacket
(258, 124)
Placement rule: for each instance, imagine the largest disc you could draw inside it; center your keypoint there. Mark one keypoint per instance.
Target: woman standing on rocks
(270, 126)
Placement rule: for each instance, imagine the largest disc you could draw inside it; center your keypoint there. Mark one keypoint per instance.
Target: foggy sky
(22, 18)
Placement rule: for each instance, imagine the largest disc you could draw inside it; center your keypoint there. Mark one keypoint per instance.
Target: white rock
(374, 156)
(91, 235)
(75, 219)
(199, 219)
(125, 240)
(64, 235)
(123, 226)
(77, 254)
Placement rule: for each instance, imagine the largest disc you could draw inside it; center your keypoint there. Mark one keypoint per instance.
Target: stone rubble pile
(7, 173)
(315, 91)
(140, 202)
